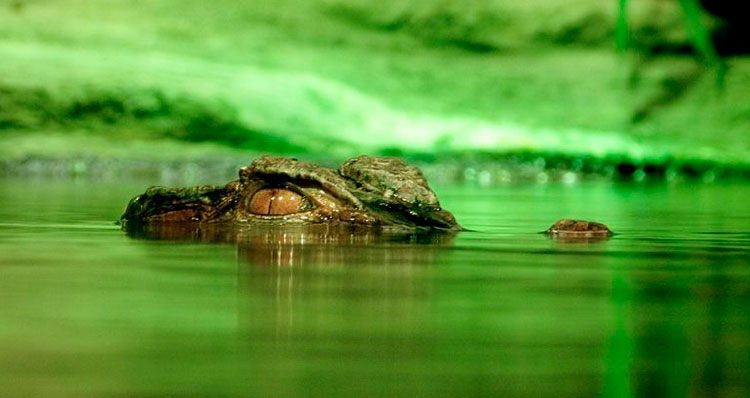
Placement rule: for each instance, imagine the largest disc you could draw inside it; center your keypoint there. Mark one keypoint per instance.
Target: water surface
(661, 309)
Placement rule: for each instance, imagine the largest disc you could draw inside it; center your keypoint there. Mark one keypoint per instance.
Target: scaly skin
(379, 191)
(370, 191)
(578, 229)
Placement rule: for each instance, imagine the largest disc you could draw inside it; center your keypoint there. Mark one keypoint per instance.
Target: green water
(662, 309)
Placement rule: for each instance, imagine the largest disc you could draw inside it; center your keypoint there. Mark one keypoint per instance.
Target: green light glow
(270, 78)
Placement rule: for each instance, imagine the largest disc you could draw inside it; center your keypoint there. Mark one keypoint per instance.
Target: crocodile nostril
(276, 202)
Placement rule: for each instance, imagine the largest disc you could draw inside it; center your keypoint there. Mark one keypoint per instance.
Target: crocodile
(363, 191)
(373, 191)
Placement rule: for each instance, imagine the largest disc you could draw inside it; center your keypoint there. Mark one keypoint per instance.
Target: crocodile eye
(277, 202)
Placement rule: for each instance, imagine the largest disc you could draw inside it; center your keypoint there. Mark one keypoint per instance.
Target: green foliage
(699, 34)
(483, 26)
(148, 113)
(621, 31)
(340, 77)
(701, 38)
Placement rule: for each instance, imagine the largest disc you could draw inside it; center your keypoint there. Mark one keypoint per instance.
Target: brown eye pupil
(276, 202)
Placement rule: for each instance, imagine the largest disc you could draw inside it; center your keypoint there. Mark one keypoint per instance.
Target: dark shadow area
(731, 35)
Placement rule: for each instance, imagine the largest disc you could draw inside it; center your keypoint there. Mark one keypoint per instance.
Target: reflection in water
(662, 309)
(677, 337)
(280, 270)
(563, 240)
(319, 302)
(316, 244)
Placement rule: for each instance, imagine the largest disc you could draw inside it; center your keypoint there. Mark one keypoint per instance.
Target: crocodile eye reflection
(278, 202)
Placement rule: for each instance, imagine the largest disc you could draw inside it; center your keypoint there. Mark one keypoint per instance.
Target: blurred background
(634, 113)
(545, 90)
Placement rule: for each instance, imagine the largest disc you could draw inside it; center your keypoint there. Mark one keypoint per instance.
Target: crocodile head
(376, 191)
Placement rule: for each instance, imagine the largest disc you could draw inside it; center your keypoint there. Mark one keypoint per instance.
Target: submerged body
(578, 229)
(378, 191)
